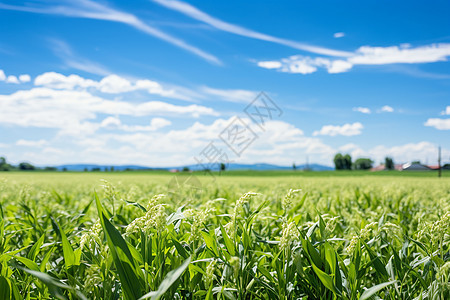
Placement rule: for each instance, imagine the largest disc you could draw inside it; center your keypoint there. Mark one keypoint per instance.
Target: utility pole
(439, 162)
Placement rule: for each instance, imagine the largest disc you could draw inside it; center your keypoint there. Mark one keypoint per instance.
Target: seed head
(287, 200)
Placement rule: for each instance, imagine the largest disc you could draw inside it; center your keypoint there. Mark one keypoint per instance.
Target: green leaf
(373, 290)
(209, 241)
(5, 288)
(28, 263)
(54, 285)
(209, 295)
(69, 255)
(326, 279)
(122, 257)
(34, 251)
(228, 243)
(180, 249)
(168, 281)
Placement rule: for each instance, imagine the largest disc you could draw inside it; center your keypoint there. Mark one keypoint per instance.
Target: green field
(242, 235)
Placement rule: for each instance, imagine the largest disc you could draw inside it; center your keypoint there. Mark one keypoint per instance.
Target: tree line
(344, 162)
(23, 166)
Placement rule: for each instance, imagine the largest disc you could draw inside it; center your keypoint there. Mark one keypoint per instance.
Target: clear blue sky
(155, 82)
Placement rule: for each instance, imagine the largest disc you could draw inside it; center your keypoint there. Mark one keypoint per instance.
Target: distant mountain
(265, 167)
(255, 167)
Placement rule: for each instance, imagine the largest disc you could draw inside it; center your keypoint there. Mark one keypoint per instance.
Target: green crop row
(235, 238)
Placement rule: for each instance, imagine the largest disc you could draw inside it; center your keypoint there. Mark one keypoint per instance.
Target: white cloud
(24, 78)
(111, 123)
(364, 110)
(441, 124)
(72, 111)
(387, 108)
(339, 66)
(306, 65)
(93, 10)
(2, 75)
(12, 79)
(368, 55)
(365, 55)
(158, 123)
(111, 84)
(346, 129)
(338, 35)
(59, 81)
(115, 124)
(114, 84)
(281, 141)
(29, 143)
(269, 64)
(446, 111)
(199, 15)
(423, 151)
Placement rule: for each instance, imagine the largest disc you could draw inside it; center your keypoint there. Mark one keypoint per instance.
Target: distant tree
(96, 169)
(343, 162)
(24, 166)
(50, 169)
(186, 169)
(294, 167)
(223, 167)
(64, 169)
(85, 169)
(347, 162)
(416, 162)
(4, 166)
(363, 164)
(112, 168)
(338, 162)
(389, 163)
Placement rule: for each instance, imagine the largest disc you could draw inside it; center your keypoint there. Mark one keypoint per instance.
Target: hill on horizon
(255, 167)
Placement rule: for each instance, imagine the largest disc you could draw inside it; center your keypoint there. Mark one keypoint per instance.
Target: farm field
(142, 235)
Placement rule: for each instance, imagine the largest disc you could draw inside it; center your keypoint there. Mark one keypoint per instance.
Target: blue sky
(155, 82)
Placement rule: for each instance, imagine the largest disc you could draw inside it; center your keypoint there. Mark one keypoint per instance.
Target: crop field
(160, 236)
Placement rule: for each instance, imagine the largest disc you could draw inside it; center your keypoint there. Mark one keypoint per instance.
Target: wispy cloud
(72, 60)
(365, 55)
(243, 96)
(199, 15)
(338, 35)
(346, 130)
(92, 10)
